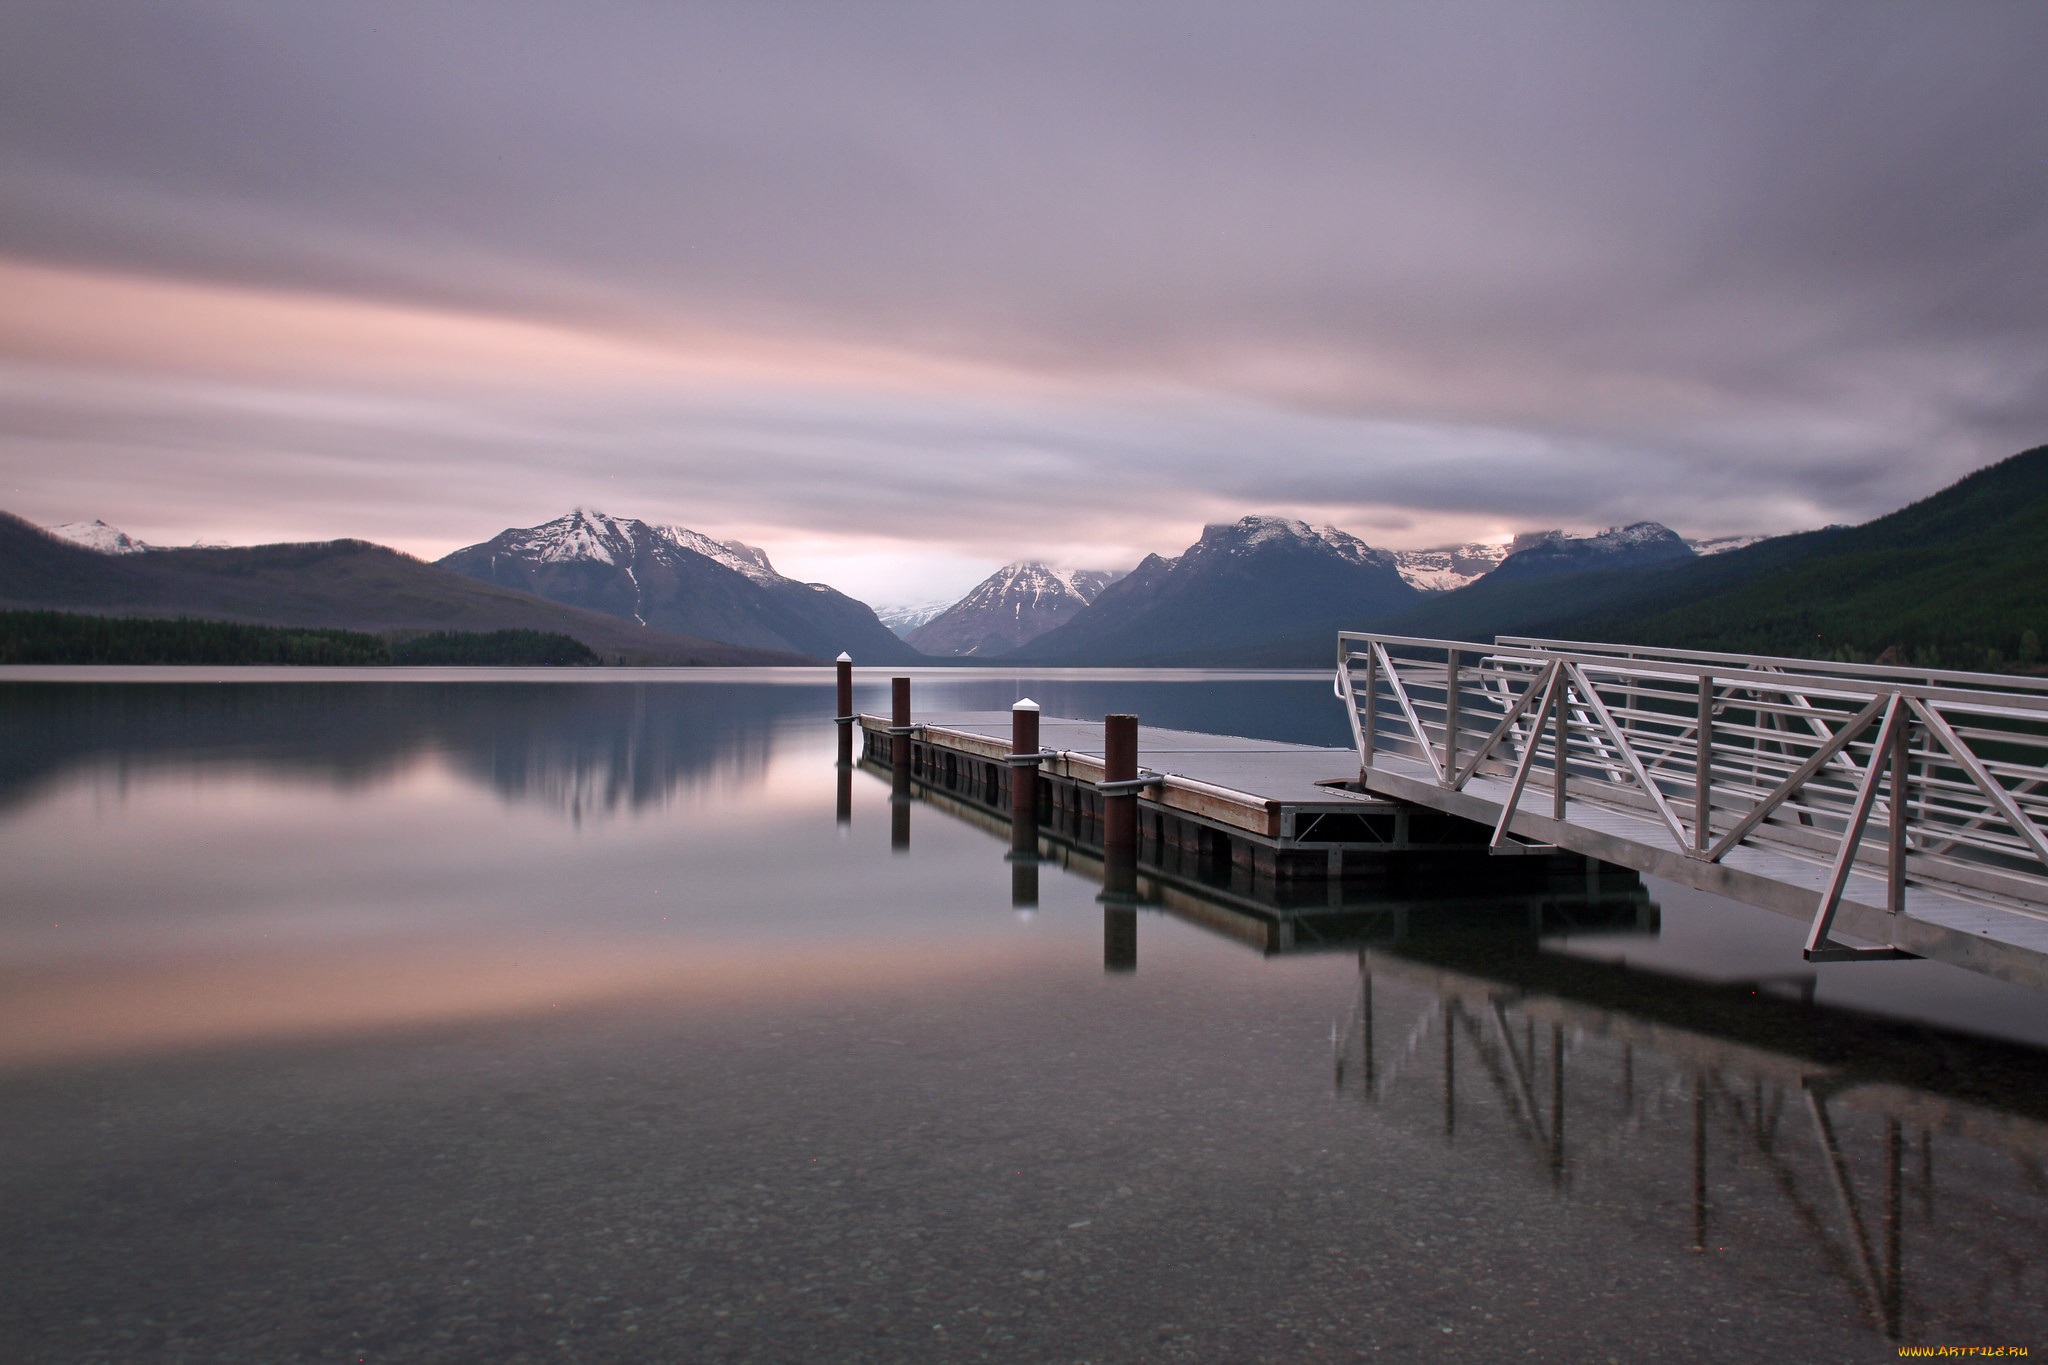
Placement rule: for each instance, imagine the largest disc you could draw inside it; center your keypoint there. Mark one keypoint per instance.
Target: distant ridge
(1549, 553)
(675, 579)
(1957, 579)
(1244, 582)
(345, 584)
(1011, 607)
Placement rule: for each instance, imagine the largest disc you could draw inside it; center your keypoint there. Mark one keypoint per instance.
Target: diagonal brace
(1819, 947)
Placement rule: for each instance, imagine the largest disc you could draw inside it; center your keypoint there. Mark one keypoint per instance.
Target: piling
(844, 714)
(1120, 811)
(1119, 845)
(846, 720)
(899, 755)
(1024, 804)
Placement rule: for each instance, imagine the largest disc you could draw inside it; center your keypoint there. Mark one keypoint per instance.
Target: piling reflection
(1119, 939)
(1024, 883)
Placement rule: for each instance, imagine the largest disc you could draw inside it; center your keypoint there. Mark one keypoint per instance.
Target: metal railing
(1918, 777)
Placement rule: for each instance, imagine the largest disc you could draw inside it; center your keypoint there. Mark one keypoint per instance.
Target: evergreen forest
(56, 637)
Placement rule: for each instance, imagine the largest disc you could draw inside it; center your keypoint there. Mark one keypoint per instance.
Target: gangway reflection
(1898, 1169)
(1741, 1118)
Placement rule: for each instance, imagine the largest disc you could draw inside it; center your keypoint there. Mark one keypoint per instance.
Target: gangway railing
(1921, 778)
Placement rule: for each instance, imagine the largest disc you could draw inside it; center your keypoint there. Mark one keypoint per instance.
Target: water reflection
(1898, 1170)
(581, 750)
(315, 1035)
(1896, 1165)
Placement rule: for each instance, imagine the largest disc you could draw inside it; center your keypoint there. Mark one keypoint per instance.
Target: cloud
(989, 280)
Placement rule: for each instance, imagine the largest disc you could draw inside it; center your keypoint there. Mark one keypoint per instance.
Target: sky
(902, 292)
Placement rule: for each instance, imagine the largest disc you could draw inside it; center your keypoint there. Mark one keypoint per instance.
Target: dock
(1900, 815)
(1287, 814)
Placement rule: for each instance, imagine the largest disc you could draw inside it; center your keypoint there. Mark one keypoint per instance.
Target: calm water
(563, 1021)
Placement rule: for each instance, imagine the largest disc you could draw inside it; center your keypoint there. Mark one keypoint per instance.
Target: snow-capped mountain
(1243, 583)
(97, 535)
(1539, 554)
(1449, 566)
(908, 616)
(1721, 545)
(679, 580)
(1016, 604)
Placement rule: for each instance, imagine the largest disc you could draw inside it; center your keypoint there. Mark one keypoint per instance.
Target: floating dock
(1293, 826)
(1275, 827)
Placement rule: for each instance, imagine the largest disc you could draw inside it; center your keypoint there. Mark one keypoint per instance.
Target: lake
(560, 1017)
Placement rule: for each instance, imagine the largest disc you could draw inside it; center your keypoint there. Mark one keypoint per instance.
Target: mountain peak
(1448, 567)
(97, 535)
(1256, 530)
(673, 578)
(1011, 607)
(1536, 554)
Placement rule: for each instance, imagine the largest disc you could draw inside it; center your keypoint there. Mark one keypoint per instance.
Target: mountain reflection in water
(584, 750)
(608, 1021)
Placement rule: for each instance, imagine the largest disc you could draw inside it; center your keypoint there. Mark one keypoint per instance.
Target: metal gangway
(1901, 807)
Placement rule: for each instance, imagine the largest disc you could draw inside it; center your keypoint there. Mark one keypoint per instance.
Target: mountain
(340, 583)
(678, 580)
(1958, 579)
(1448, 567)
(1545, 554)
(1721, 545)
(1242, 584)
(908, 616)
(97, 535)
(1012, 606)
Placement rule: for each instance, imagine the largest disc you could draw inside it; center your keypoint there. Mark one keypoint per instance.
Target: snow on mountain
(908, 616)
(1538, 554)
(97, 535)
(680, 580)
(736, 555)
(1449, 566)
(1244, 583)
(1721, 545)
(1015, 604)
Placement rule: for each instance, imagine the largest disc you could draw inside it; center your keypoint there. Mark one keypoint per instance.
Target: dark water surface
(562, 1021)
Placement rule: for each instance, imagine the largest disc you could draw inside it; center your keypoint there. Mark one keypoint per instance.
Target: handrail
(1990, 681)
(1747, 670)
(1904, 778)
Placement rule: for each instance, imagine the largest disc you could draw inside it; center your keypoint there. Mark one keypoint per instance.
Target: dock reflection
(1897, 1169)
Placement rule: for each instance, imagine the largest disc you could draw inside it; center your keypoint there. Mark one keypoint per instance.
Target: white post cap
(844, 658)
(1025, 704)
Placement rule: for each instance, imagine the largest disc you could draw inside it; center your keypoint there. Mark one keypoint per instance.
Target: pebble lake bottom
(563, 1021)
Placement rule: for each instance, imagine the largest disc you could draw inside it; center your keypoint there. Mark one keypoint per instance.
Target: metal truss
(1919, 778)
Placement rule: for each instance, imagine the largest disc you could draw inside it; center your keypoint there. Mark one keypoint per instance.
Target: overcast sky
(905, 291)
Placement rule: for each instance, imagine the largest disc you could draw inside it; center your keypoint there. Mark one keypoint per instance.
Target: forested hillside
(55, 637)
